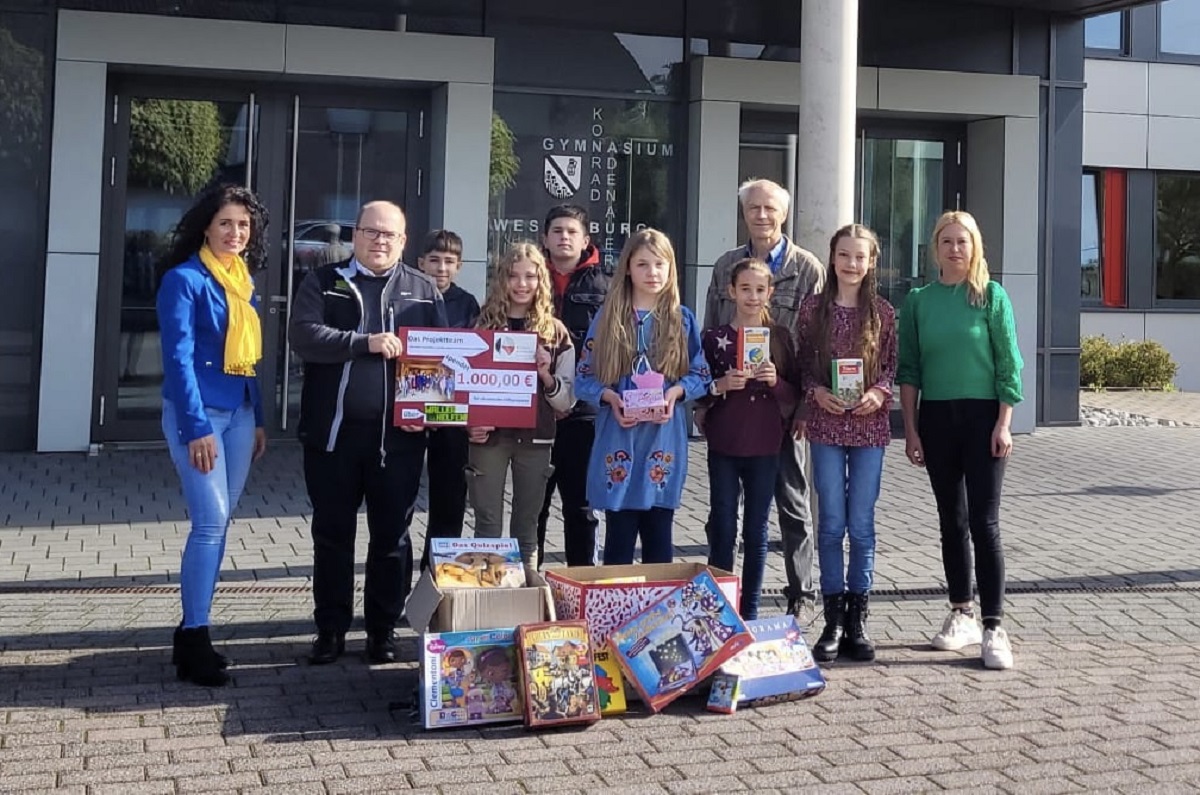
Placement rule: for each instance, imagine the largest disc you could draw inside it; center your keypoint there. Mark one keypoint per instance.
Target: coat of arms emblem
(562, 175)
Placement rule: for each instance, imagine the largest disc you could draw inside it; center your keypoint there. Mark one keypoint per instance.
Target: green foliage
(174, 145)
(1178, 229)
(504, 161)
(1145, 364)
(22, 88)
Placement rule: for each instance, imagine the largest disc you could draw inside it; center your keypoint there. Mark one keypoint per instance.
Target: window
(1102, 238)
(754, 29)
(1105, 32)
(1177, 238)
(1089, 237)
(616, 158)
(1179, 27)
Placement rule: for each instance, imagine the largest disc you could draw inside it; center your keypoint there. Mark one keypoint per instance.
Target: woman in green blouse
(958, 354)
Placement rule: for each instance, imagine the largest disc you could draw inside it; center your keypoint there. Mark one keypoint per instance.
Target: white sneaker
(958, 631)
(997, 651)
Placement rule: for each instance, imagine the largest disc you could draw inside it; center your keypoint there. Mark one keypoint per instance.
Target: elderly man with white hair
(796, 274)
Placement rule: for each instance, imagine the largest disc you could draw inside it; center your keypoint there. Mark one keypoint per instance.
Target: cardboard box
(476, 562)
(579, 593)
(433, 609)
(557, 674)
(679, 641)
(776, 667)
(469, 679)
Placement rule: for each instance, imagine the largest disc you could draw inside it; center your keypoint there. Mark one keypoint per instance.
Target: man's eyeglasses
(378, 234)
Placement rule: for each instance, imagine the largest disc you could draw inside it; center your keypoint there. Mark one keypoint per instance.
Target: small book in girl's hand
(646, 403)
(848, 383)
(754, 347)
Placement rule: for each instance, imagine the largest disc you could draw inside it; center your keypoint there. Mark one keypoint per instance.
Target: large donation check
(466, 377)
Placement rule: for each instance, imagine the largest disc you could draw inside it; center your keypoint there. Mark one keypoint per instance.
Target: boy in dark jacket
(440, 259)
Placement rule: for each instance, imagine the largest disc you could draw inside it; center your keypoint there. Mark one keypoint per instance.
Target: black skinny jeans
(966, 478)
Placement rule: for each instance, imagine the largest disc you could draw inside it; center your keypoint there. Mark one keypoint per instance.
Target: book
(754, 347)
(476, 563)
(557, 673)
(848, 380)
(469, 678)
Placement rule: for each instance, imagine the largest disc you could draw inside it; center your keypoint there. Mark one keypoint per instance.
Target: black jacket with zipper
(579, 304)
(326, 331)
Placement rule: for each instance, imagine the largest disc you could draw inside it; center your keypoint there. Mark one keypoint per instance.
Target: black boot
(826, 647)
(222, 660)
(195, 659)
(855, 643)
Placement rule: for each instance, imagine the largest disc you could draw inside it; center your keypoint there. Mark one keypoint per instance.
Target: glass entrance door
(311, 161)
(342, 157)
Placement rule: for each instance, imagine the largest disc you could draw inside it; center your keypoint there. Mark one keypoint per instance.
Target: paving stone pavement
(1104, 570)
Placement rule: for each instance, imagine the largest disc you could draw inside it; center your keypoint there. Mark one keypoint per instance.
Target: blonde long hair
(615, 343)
(540, 317)
(978, 275)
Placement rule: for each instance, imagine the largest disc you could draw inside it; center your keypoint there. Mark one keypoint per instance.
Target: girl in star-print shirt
(745, 425)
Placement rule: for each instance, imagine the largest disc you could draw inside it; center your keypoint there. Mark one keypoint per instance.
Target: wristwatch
(713, 389)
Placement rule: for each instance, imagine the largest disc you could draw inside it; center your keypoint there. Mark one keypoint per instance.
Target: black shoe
(381, 647)
(327, 648)
(826, 647)
(855, 643)
(222, 660)
(804, 609)
(195, 660)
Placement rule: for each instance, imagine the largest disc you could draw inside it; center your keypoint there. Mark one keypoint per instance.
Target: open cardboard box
(433, 609)
(608, 605)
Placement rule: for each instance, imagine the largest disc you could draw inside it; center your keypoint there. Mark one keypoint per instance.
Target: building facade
(479, 116)
(1140, 244)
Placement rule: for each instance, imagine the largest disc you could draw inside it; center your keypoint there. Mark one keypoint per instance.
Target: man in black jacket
(580, 286)
(343, 325)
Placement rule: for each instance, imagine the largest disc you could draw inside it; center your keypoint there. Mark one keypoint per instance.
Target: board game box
(469, 678)
(557, 673)
(776, 667)
(676, 643)
(610, 683)
(476, 563)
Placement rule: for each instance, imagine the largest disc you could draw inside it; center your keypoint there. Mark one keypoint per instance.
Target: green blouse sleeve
(908, 364)
(1002, 329)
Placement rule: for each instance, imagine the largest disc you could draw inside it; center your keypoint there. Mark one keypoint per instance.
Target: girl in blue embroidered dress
(637, 469)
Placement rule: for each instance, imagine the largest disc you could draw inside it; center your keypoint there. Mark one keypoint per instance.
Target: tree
(504, 161)
(174, 144)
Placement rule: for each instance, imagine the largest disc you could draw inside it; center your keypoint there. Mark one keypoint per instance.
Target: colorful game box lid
(677, 642)
(476, 563)
(610, 682)
(776, 667)
(469, 678)
(558, 673)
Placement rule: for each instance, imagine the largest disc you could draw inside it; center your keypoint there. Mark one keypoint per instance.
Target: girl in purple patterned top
(847, 321)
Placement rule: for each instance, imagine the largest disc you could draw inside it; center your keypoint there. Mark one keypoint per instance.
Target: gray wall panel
(1139, 240)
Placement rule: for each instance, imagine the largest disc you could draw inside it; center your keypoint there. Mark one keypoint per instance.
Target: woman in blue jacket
(212, 409)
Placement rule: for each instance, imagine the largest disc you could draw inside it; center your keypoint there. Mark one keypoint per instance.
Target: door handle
(278, 299)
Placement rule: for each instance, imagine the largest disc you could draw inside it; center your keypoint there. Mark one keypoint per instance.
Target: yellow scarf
(243, 336)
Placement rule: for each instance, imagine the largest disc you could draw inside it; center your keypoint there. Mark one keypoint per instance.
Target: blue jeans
(847, 483)
(622, 529)
(210, 499)
(754, 476)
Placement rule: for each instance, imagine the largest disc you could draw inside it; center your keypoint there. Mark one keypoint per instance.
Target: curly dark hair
(188, 236)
